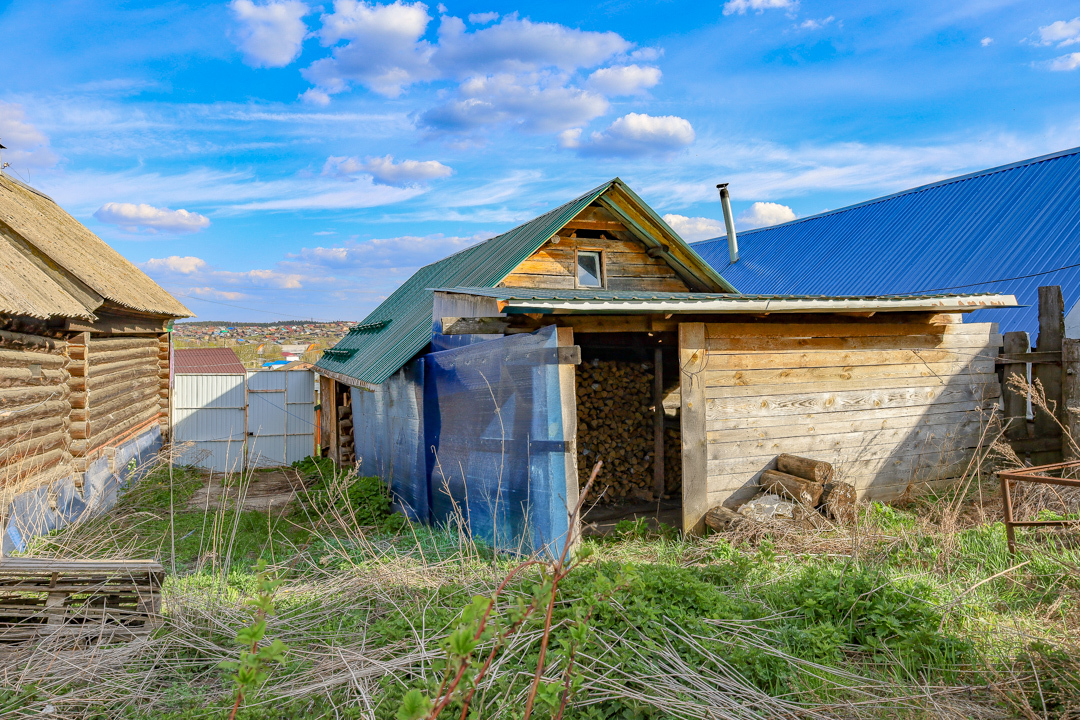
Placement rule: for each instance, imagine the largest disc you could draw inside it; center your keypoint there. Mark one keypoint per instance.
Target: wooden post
(568, 410)
(658, 423)
(1016, 343)
(695, 454)
(331, 414)
(1051, 335)
(1070, 381)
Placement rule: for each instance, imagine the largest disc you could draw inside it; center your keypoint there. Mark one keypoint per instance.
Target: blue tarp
(44, 509)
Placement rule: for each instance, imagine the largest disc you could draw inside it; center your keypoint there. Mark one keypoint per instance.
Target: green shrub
(871, 612)
(365, 498)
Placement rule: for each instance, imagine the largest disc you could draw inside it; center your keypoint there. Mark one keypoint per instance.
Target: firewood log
(838, 499)
(815, 470)
(796, 488)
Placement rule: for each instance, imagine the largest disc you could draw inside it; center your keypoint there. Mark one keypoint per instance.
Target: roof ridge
(920, 188)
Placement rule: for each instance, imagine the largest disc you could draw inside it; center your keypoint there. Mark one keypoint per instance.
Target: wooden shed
(84, 345)
(489, 383)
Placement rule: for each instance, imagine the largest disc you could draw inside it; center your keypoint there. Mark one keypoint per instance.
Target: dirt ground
(265, 490)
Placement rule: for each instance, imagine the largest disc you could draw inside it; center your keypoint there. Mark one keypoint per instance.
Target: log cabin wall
(892, 405)
(626, 263)
(123, 385)
(34, 407)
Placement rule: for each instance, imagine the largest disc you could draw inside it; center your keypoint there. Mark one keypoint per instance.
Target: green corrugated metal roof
(401, 326)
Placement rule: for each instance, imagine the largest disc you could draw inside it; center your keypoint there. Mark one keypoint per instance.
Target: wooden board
(695, 473)
(887, 404)
(625, 260)
(829, 358)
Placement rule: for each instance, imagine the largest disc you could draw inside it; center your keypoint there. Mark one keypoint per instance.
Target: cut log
(721, 519)
(801, 490)
(838, 499)
(805, 468)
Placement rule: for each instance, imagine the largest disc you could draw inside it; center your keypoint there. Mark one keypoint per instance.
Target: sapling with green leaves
(251, 669)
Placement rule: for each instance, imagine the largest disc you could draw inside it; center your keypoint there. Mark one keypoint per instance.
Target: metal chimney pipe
(729, 222)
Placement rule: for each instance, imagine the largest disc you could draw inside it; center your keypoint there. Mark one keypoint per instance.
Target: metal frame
(1033, 474)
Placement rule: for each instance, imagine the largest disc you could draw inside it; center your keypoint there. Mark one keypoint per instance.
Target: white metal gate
(269, 416)
(281, 416)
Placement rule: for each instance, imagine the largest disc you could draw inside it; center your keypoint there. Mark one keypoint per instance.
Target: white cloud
(1064, 63)
(534, 103)
(214, 293)
(1061, 33)
(742, 6)
(624, 79)
(384, 51)
(986, 41)
(812, 24)
(174, 264)
(27, 147)
(764, 214)
(514, 45)
(386, 171)
(153, 219)
(634, 135)
(693, 229)
(483, 18)
(406, 252)
(271, 34)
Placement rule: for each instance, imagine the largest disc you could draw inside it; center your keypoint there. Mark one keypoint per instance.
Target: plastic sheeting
(495, 436)
(388, 428)
(44, 509)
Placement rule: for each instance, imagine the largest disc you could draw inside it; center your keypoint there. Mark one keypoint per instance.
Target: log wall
(122, 381)
(892, 405)
(34, 407)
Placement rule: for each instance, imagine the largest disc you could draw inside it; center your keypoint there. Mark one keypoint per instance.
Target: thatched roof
(54, 266)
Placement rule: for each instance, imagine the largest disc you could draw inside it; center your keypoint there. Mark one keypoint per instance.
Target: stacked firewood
(615, 424)
(673, 462)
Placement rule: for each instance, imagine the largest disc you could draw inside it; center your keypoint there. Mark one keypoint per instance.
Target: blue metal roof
(1007, 230)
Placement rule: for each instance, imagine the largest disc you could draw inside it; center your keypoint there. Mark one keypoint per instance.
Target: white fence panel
(275, 408)
(208, 411)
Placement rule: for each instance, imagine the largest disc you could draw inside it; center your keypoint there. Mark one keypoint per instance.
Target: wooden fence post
(1049, 374)
(1016, 343)
(1070, 381)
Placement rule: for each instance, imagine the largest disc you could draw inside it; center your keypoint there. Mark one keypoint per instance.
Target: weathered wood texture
(890, 409)
(34, 408)
(123, 389)
(626, 262)
(1048, 375)
(100, 600)
(1070, 370)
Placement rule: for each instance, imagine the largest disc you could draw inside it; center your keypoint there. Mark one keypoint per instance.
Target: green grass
(901, 603)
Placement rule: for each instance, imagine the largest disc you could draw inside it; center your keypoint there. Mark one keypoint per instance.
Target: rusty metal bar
(1033, 475)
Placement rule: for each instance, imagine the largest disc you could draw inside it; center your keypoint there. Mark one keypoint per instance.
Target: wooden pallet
(93, 600)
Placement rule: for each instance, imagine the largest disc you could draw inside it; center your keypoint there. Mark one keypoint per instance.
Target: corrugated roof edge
(709, 269)
(901, 193)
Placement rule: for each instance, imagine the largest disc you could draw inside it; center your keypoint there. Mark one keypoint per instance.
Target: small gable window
(589, 271)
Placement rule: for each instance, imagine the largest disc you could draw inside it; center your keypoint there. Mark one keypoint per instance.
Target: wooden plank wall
(891, 405)
(34, 407)
(627, 265)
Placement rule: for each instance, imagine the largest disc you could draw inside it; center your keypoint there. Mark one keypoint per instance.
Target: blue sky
(290, 159)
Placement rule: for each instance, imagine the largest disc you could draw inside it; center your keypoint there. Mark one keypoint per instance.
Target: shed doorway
(628, 417)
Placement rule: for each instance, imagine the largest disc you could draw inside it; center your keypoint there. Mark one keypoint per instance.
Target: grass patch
(893, 617)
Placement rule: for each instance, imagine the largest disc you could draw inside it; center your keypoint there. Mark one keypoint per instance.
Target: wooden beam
(475, 325)
(609, 225)
(658, 423)
(1051, 334)
(695, 489)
